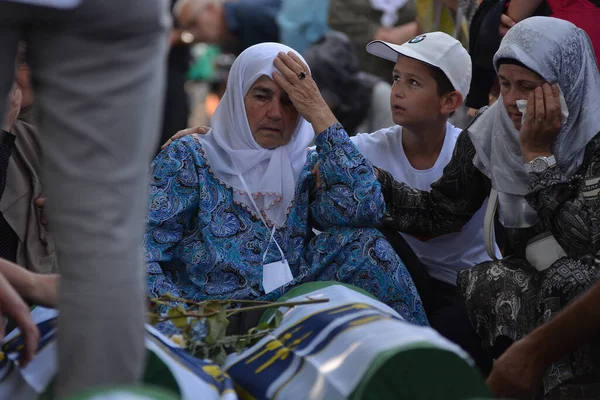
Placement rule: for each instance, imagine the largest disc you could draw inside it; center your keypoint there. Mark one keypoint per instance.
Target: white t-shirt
(445, 255)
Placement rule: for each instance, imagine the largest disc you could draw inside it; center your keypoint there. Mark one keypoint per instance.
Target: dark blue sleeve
(252, 21)
(351, 194)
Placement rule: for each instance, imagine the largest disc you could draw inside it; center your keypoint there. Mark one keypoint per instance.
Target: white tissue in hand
(564, 111)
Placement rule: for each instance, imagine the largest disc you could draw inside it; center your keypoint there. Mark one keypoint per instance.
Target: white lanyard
(278, 273)
(272, 238)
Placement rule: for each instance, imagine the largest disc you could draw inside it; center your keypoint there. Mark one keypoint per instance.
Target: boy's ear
(450, 102)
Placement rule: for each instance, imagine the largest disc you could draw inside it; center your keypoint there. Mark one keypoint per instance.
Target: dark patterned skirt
(507, 299)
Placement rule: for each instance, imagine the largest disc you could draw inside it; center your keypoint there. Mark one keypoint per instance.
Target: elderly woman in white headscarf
(232, 211)
(537, 155)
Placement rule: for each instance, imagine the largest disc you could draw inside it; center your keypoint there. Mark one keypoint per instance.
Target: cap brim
(382, 49)
(390, 51)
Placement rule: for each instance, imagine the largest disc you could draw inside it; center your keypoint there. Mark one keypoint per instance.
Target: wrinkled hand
(542, 122)
(14, 108)
(506, 23)
(303, 93)
(12, 305)
(518, 372)
(190, 131)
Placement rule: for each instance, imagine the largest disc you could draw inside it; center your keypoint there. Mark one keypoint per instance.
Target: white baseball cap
(437, 49)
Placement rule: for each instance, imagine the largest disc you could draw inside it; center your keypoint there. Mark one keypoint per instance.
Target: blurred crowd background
(331, 34)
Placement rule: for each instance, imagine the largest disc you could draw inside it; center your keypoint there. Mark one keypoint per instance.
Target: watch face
(539, 165)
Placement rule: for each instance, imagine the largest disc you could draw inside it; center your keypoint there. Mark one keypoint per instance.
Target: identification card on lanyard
(278, 273)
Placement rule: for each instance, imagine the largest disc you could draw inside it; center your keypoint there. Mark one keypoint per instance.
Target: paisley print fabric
(200, 244)
(509, 298)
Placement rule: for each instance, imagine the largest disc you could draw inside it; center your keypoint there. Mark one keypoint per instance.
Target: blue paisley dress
(200, 244)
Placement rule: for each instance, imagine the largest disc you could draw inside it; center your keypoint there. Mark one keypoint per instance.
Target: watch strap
(550, 162)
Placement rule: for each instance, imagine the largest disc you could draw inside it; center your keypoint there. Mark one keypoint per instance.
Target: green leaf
(239, 346)
(263, 326)
(276, 319)
(217, 325)
(253, 331)
(177, 316)
(212, 306)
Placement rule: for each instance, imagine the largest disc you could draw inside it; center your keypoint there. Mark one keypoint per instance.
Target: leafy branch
(216, 344)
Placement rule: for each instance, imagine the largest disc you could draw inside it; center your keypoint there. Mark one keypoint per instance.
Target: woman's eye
(414, 83)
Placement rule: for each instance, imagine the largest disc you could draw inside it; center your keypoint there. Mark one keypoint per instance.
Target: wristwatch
(540, 164)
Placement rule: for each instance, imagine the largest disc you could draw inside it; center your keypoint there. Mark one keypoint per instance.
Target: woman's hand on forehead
(294, 77)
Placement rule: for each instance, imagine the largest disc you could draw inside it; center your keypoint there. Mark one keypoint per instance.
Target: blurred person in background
(176, 108)
(13, 292)
(366, 20)
(302, 22)
(8, 238)
(98, 71)
(359, 100)
(584, 14)
(31, 244)
(492, 21)
(218, 84)
(444, 15)
(233, 25)
(207, 80)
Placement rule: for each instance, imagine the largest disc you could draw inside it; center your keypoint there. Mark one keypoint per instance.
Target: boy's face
(414, 99)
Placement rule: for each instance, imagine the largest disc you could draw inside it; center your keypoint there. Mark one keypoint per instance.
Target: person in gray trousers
(98, 69)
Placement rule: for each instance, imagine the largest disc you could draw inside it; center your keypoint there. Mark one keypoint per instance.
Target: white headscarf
(560, 53)
(390, 10)
(271, 175)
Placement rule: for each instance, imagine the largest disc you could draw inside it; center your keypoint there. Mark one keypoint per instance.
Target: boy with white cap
(431, 79)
